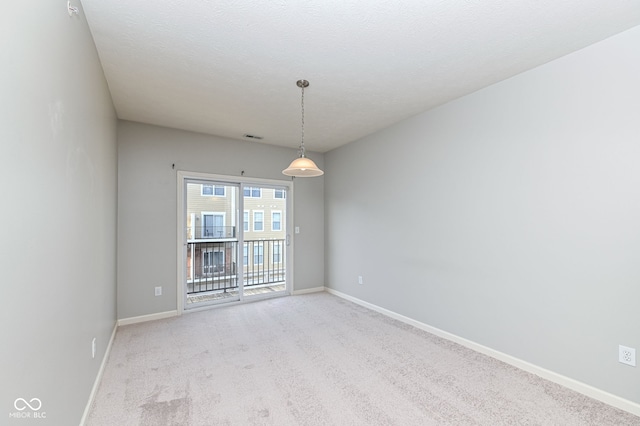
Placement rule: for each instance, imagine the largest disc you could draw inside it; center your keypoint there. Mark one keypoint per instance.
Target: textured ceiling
(228, 67)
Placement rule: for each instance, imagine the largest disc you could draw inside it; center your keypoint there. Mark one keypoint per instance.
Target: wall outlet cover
(627, 355)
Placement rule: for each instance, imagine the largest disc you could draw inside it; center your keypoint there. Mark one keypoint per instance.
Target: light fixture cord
(302, 139)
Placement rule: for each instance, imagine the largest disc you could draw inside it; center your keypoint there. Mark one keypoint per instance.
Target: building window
(252, 192)
(212, 261)
(246, 221)
(258, 253)
(277, 252)
(276, 221)
(258, 221)
(279, 193)
(217, 190)
(213, 225)
(245, 254)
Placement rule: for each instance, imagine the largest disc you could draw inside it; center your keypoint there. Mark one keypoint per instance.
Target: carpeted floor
(319, 360)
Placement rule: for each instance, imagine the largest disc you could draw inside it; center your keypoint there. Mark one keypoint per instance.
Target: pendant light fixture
(302, 166)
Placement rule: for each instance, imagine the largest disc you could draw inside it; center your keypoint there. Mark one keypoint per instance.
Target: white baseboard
(583, 388)
(145, 318)
(98, 379)
(308, 290)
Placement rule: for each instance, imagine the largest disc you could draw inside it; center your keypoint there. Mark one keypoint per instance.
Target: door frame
(181, 206)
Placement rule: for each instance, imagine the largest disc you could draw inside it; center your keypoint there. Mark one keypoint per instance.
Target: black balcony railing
(211, 232)
(213, 266)
(263, 262)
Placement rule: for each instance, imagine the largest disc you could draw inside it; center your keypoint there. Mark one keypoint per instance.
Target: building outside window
(258, 221)
(277, 250)
(252, 192)
(212, 225)
(212, 261)
(258, 253)
(213, 190)
(276, 221)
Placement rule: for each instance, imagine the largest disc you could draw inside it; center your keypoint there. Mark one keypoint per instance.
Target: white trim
(181, 251)
(233, 179)
(583, 388)
(310, 290)
(96, 382)
(289, 215)
(193, 227)
(240, 235)
(145, 318)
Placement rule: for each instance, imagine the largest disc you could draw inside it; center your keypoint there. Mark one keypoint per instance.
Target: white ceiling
(229, 67)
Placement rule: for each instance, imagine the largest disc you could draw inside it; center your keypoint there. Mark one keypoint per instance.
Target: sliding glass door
(235, 242)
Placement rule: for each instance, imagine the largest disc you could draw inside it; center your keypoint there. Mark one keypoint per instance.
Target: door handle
(288, 239)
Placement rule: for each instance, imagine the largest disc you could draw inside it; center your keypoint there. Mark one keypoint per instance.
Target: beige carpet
(319, 360)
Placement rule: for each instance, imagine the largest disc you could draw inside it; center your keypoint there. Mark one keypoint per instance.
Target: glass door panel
(265, 240)
(212, 243)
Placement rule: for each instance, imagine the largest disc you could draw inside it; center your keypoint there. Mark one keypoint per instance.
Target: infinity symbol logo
(22, 404)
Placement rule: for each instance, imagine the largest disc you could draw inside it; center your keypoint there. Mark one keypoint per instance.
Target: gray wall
(509, 217)
(147, 199)
(58, 235)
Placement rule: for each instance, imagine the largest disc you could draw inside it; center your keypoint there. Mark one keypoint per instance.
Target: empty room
(320, 213)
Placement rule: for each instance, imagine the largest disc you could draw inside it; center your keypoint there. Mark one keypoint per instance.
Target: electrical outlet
(360, 279)
(627, 355)
(93, 348)
(158, 291)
